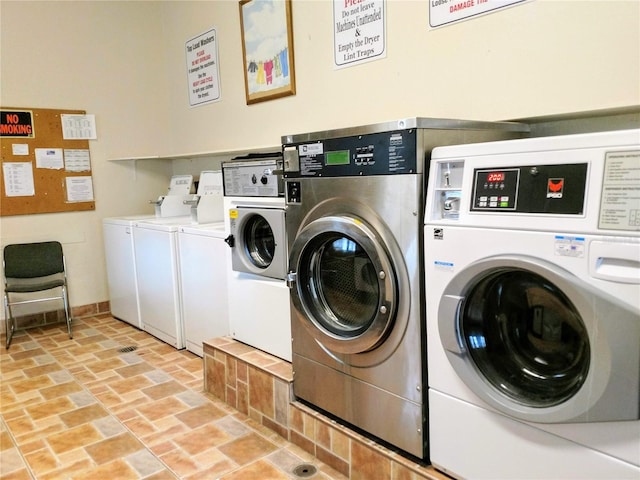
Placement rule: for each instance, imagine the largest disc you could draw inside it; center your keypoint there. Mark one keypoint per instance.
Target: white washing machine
(203, 279)
(158, 275)
(157, 262)
(258, 295)
(532, 268)
(121, 269)
(120, 251)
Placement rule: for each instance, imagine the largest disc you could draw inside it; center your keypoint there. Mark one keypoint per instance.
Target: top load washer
(255, 221)
(533, 307)
(120, 250)
(157, 260)
(354, 223)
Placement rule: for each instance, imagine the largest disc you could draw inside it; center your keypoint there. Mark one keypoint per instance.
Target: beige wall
(125, 63)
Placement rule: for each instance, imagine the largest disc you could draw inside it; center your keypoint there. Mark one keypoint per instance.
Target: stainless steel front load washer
(354, 224)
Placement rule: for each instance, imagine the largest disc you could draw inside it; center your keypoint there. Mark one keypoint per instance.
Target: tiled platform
(116, 403)
(260, 386)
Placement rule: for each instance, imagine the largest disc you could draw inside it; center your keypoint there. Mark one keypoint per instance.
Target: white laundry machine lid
(216, 230)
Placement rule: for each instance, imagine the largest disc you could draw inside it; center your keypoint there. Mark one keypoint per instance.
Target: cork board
(42, 172)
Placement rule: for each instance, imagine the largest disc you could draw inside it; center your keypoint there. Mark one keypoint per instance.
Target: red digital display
(495, 177)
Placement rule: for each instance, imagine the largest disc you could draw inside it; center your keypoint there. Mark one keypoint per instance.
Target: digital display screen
(340, 157)
(495, 177)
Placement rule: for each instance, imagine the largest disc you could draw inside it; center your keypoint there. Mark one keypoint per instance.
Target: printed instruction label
(440, 265)
(620, 201)
(568, 246)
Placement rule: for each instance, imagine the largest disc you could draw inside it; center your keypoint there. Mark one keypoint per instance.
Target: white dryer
(532, 267)
(255, 219)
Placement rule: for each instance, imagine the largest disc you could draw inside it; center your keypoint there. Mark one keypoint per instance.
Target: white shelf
(214, 153)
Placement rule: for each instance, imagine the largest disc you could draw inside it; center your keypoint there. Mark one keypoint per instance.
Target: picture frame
(267, 49)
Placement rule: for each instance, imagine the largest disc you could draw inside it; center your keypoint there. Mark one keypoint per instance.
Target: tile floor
(91, 407)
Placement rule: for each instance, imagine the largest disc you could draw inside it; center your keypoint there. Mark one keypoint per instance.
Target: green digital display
(340, 157)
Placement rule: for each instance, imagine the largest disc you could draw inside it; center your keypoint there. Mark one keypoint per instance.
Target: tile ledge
(273, 365)
(423, 469)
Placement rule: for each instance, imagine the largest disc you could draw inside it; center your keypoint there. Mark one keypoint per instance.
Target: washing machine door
(343, 283)
(259, 241)
(539, 344)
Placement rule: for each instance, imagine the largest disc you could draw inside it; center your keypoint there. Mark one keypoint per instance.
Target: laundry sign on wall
(444, 12)
(358, 31)
(203, 74)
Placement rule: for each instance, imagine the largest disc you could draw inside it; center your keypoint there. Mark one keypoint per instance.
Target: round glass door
(525, 336)
(346, 285)
(259, 241)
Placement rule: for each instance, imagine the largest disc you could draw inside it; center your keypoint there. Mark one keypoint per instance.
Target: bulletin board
(44, 170)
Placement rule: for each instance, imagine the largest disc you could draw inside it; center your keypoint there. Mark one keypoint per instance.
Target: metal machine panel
(354, 226)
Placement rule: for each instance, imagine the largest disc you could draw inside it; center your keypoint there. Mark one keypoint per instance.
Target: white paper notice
(620, 203)
(444, 12)
(18, 179)
(79, 189)
(79, 127)
(77, 160)
(358, 31)
(49, 158)
(20, 149)
(203, 74)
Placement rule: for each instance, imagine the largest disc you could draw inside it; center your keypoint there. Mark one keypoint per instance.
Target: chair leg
(65, 300)
(9, 320)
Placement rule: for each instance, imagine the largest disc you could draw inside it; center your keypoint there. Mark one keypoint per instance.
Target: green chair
(30, 268)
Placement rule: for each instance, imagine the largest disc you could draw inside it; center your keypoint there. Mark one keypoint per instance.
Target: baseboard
(55, 316)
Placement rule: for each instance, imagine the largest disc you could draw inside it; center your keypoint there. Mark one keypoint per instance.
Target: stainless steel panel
(426, 123)
(378, 412)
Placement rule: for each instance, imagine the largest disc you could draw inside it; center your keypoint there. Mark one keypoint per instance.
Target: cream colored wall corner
(125, 62)
(105, 58)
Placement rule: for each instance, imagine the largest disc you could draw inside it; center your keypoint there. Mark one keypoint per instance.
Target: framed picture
(267, 49)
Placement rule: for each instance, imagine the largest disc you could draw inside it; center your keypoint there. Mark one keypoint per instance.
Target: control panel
(373, 154)
(557, 189)
(255, 178)
(496, 189)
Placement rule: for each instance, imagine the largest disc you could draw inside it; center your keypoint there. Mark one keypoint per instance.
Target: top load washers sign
(203, 75)
(444, 12)
(358, 31)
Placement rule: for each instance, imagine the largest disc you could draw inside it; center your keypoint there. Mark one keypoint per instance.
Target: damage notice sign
(443, 12)
(358, 31)
(16, 123)
(620, 202)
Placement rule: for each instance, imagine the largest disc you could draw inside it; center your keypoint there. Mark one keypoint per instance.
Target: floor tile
(247, 448)
(83, 409)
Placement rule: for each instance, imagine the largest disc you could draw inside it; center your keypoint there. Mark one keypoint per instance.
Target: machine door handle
(291, 279)
(231, 241)
(448, 317)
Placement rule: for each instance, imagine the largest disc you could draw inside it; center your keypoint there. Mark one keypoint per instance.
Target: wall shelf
(194, 155)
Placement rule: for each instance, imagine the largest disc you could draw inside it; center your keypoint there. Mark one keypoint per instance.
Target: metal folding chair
(30, 268)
